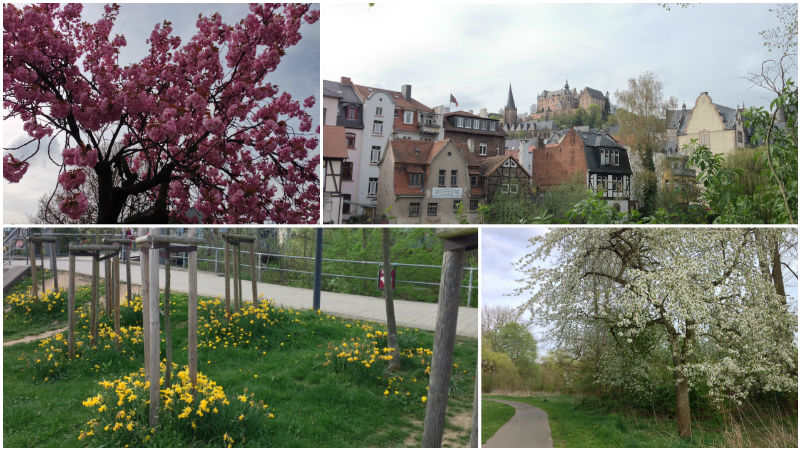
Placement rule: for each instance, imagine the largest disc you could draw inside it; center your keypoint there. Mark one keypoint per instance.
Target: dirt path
(528, 428)
(35, 337)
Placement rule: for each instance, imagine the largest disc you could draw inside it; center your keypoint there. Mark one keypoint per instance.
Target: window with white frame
(375, 154)
(476, 124)
(493, 125)
(459, 122)
(408, 117)
(433, 209)
(609, 156)
(372, 187)
(467, 122)
(377, 127)
(413, 209)
(482, 149)
(415, 179)
(509, 188)
(483, 124)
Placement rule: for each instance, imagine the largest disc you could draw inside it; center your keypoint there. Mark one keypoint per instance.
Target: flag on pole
(453, 100)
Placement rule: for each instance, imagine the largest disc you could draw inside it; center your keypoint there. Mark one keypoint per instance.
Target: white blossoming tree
(711, 302)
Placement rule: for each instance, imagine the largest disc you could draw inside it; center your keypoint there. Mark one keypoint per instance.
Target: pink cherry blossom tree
(188, 126)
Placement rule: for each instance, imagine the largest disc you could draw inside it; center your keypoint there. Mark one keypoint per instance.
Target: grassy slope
(314, 405)
(493, 416)
(576, 427)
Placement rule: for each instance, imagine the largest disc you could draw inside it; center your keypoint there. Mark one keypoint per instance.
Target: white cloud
(475, 50)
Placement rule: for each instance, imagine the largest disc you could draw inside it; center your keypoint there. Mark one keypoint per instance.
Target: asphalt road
(528, 428)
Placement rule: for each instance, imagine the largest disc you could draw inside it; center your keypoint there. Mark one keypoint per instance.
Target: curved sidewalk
(528, 428)
(409, 314)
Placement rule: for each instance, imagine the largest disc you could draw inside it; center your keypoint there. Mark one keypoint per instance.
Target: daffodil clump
(366, 359)
(24, 306)
(251, 326)
(200, 415)
(50, 360)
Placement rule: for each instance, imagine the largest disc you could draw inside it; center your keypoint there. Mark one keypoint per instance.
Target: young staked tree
(388, 293)
(197, 126)
(694, 289)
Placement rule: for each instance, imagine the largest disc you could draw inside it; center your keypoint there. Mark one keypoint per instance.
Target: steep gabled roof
(397, 97)
(594, 93)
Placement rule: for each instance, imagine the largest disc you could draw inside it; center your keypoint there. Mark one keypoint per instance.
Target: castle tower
(510, 111)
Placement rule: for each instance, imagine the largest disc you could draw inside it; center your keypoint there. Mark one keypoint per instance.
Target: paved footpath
(528, 428)
(408, 313)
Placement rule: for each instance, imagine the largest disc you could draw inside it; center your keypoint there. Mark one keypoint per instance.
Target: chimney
(345, 81)
(406, 90)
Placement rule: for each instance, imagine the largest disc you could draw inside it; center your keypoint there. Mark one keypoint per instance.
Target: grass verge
(573, 424)
(287, 364)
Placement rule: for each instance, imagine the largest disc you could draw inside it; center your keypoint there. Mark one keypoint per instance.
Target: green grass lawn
(317, 399)
(575, 426)
(18, 323)
(493, 416)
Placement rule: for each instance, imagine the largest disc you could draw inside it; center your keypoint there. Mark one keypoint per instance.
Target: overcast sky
(475, 50)
(502, 247)
(298, 74)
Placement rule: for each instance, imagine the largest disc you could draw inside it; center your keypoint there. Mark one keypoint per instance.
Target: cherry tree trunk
(682, 409)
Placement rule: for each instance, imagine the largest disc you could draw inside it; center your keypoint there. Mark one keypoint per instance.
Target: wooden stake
(32, 247)
(115, 299)
(227, 281)
(192, 344)
(167, 323)
(236, 284)
(95, 299)
(109, 288)
(443, 345)
(144, 265)
(155, 335)
(71, 308)
(253, 273)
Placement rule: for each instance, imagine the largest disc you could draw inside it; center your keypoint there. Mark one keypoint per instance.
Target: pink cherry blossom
(75, 205)
(199, 120)
(13, 169)
(72, 179)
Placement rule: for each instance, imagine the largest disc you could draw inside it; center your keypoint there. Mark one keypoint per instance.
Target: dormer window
(415, 179)
(408, 117)
(467, 122)
(609, 157)
(493, 126)
(352, 113)
(459, 122)
(476, 124)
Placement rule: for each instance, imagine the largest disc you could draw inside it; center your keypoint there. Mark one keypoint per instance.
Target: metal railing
(291, 270)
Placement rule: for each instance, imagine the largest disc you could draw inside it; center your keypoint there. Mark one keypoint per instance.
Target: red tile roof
(334, 144)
